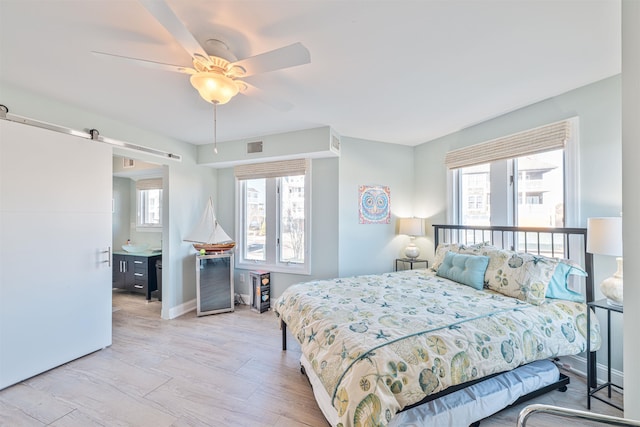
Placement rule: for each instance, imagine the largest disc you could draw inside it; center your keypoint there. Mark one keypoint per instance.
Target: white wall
(187, 185)
(598, 107)
(631, 202)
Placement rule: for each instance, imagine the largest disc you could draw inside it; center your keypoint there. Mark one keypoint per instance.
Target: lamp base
(612, 287)
(412, 251)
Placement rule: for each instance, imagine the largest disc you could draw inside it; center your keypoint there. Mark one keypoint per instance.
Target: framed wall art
(374, 202)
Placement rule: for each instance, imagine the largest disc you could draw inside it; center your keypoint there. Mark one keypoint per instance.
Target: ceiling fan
(216, 75)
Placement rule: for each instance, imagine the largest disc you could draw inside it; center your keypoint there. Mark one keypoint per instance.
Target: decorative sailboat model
(208, 234)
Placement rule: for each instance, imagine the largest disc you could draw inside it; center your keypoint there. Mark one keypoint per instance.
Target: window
(274, 216)
(292, 219)
(475, 189)
(526, 179)
(149, 204)
(254, 224)
(539, 190)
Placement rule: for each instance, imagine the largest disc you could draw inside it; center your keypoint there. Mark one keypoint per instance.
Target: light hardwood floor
(219, 370)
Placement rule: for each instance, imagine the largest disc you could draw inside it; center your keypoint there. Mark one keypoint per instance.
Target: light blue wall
(324, 224)
(188, 184)
(121, 223)
(187, 188)
(312, 143)
(340, 246)
(125, 203)
(372, 248)
(306, 143)
(416, 177)
(598, 107)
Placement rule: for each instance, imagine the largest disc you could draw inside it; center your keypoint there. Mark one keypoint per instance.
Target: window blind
(538, 140)
(272, 169)
(149, 184)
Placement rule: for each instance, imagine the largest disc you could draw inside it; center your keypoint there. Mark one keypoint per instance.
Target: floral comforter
(381, 342)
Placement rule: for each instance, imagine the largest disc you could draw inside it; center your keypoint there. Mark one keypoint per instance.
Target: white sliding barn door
(55, 223)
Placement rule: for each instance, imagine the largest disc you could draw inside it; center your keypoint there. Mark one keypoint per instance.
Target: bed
(390, 348)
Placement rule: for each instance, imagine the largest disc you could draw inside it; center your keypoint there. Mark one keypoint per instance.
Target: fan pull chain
(215, 126)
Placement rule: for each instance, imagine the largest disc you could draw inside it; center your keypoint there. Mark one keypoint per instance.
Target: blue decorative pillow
(559, 284)
(466, 269)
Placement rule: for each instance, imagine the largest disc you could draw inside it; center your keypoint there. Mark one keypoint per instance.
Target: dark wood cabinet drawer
(140, 275)
(135, 273)
(140, 287)
(140, 262)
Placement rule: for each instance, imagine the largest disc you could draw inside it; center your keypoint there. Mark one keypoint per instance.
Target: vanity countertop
(147, 253)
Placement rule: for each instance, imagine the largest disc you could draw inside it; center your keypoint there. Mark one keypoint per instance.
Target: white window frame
(272, 220)
(504, 179)
(144, 185)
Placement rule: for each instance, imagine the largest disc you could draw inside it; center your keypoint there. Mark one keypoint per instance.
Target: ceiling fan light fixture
(236, 71)
(214, 87)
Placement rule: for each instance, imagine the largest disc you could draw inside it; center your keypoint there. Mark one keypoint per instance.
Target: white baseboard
(182, 309)
(246, 299)
(192, 305)
(578, 365)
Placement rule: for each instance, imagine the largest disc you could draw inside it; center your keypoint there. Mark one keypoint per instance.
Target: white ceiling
(399, 71)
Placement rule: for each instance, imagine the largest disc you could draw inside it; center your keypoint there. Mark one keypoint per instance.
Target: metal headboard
(569, 243)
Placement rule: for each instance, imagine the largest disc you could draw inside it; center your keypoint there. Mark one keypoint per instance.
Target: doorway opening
(138, 226)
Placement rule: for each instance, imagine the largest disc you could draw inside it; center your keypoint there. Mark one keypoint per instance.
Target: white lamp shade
(604, 236)
(411, 226)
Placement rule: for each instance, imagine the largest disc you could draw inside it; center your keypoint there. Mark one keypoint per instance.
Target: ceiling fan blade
(255, 93)
(285, 57)
(148, 64)
(165, 16)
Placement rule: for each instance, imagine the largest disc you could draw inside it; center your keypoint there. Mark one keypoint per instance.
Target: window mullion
(278, 206)
(512, 188)
(271, 203)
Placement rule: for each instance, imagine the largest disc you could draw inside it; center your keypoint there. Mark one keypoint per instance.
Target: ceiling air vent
(254, 147)
(335, 143)
(128, 163)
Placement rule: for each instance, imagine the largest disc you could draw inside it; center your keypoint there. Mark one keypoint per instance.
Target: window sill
(274, 268)
(154, 229)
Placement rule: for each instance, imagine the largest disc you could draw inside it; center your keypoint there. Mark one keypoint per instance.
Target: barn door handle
(108, 252)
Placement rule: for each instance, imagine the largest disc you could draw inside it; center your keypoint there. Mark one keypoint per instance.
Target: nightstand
(411, 261)
(592, 370)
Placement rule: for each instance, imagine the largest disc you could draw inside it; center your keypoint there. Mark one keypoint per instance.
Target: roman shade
(272, 169)
(149, 184)
(538, 140)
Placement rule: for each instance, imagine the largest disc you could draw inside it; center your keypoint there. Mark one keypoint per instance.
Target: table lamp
(604, 237)
(412, 227)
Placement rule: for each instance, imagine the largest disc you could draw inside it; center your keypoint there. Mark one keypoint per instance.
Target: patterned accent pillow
(520, 275)
(482, 248)
(441, 251)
